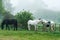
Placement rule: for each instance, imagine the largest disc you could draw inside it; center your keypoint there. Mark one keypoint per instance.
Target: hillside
(48, 15)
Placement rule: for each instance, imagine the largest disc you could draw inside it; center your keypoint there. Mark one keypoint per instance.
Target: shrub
(23, 17)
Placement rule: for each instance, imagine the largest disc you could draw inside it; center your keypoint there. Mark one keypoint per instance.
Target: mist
(49, 10)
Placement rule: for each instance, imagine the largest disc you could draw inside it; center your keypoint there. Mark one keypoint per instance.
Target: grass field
(28, 35)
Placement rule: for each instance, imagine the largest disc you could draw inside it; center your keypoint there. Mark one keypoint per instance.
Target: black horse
(8, 22)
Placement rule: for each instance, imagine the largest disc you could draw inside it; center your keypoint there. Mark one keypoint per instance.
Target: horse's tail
(2, 25)
(16, 25)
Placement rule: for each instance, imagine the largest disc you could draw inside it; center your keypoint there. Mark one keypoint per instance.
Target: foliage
(23, 17)
(8, 15)
(1, 7)
(28, 35)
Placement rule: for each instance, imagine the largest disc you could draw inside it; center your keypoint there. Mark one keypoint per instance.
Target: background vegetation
(23, 17)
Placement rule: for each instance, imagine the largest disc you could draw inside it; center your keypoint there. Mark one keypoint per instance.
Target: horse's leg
(7, 27)
(28, 27)
(2, 26)
(15, 26)
(52, 28)
(35, 27)
(44, 27)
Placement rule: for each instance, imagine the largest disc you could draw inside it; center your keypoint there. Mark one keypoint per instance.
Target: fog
(46, 9)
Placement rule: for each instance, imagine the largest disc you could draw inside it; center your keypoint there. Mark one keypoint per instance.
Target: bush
(23, 17)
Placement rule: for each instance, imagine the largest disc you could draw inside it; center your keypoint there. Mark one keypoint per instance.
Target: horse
(52, 25)
(47, 24)
(8, 22)
(34, 23)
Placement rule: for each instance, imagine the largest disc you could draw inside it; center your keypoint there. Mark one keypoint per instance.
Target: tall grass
(28, 35)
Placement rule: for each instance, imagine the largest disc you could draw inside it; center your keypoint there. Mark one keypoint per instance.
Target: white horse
(33, 22)
(52, 24)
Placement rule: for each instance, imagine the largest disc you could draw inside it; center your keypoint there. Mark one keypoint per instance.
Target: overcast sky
(31, 5)
(34, 5)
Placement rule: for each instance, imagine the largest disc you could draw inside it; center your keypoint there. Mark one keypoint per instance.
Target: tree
(8, 15)
(1, 7)
(23, 17)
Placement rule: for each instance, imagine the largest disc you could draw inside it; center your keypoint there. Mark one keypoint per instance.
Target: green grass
(28, 35)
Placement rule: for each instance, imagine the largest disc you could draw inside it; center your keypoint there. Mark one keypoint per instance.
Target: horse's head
(39, 20)
(43, 21)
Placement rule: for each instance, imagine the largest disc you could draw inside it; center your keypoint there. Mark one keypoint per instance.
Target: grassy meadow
(28, 35)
